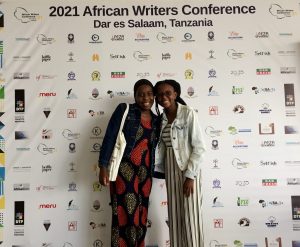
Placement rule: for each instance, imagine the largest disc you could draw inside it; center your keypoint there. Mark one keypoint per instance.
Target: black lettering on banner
(63, 11)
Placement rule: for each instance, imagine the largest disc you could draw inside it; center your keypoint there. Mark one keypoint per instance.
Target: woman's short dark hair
(142, 82)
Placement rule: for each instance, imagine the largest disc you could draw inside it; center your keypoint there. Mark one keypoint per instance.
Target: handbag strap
(124, 117)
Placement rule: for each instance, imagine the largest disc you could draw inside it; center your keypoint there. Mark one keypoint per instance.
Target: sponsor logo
(44, 40)
(188, 56)
(237, 90)
(293, 181)
(21, 187)
(215, 163)
(72, 225)
(21, 75)
(96, 113)
(96, 76)
(237, 163)
(216, 203)
(69, 135)
(212, 92)
(234, 54)
(287, 53)
(265, 109)
(242, 183)
(210, 131)
(191, 93)
(215, 243)
(21, 58)
(45, 77)
(212, 73)
(237, 72)
(264, 203)
(214, 145)
(165, 56)
(71, 113)
(288, 70)
(233, 35)
(46, 134)
(239, 144)
(45, 188)
(189, 74)
(20, 135)
(263, 71)
(163, 38)
(71, 57)
(139, 56)
(72, 186)
(262, 35)
(267, 163)
(270, 143)
(47, 224)
(211, 36)
(46, 58)
(233, 130)
(272, 222)
(238, 109)
(71, 76)
(188, 37)
(280, 13)
(24, 16)
(46, 168)
(19, 216)
(262, 53)
(95, 39)
(72, 206)
(211, 54)
(118, 74)
(243, 222)
(71, 38)
(163, 75)
(71, 94)
(44, 149)
(216, 184)
(218, 223)
(269, 182)
(47, 206)
(141, 37)
(266, 129)
(241, 202)
(213, 110)
(117, 56)
(118, 37)
(288, 129)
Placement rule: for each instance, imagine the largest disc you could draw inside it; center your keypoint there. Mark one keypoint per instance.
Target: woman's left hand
(188, 187)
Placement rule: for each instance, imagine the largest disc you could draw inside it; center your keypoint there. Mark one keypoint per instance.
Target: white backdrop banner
(64, 67)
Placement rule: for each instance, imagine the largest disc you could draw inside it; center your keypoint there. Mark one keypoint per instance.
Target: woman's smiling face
(144, 97)
(166, 95)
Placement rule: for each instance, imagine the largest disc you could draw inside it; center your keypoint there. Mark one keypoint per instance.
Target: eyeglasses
(166, 93)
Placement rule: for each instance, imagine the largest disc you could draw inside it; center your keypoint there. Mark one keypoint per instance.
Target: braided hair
(176, 87)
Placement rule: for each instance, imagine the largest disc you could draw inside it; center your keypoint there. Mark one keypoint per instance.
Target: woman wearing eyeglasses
(179, 155)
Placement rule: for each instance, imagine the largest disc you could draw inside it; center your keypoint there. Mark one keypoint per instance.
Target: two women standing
(178, 155)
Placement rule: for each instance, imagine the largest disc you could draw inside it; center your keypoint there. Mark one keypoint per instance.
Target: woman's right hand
(103, 176)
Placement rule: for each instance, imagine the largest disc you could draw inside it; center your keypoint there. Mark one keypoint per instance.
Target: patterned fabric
(130, 193)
